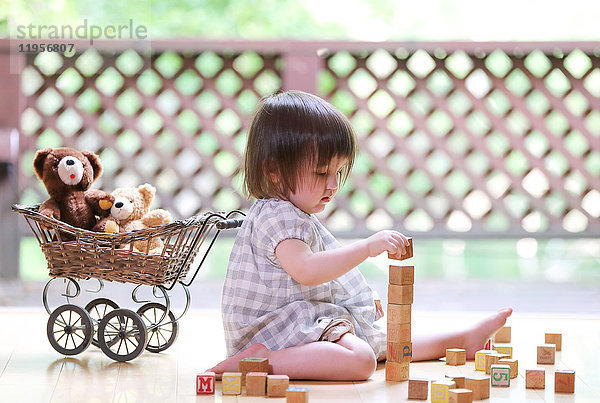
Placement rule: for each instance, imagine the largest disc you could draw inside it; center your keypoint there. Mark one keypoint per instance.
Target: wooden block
(480, 385)
(377, 300)
(564, 381)
(480, 359)
(398, 313)
(296, 395)
(500, 375)
(399, 351)
(252, 364)
(400, 294)
(460, 396)
(396, 371)
(407, 255)
(492, 359)
(459, 380)
(256, 383)
(378, 307)
(554, 338)
(398, 332)
(418, 388)
(503, 348)
(440, 390)
(402, 275)
(488, 345)
(513, 364)
(456, 356)
(535, 378)
(232, 383)
(502, 335)
(205, 383)
(546, 353)
(277, 385)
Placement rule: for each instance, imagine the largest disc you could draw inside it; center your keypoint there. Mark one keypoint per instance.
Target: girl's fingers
(405, 239)
(402, 248)
(392, 247)
(402, 239)
(398, 247)
(395, 244)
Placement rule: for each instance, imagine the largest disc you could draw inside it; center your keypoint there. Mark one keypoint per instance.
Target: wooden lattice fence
(457, 139)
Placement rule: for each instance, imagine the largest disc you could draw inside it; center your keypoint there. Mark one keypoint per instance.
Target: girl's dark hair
(289, 132)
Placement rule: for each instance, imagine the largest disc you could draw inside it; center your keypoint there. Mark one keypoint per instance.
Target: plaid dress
(263, 304)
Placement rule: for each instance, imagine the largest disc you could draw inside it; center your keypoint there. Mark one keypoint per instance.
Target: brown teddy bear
(67, 175)
(131, 211)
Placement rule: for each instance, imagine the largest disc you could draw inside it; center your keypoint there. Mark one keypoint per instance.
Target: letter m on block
(205, 384)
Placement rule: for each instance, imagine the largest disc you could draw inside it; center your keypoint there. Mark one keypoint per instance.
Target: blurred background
(479, 129)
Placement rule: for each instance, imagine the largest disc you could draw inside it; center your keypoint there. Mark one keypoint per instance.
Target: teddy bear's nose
(70, 162)
(119, 204)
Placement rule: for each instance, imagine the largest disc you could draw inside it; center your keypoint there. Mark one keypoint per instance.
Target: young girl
(292, 293)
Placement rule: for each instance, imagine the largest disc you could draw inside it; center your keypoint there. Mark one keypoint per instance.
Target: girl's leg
(349, 359)
(429, 347)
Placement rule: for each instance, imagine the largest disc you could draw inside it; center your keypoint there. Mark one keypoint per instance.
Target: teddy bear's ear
(94, 162)
(38, 161)
(148, 191)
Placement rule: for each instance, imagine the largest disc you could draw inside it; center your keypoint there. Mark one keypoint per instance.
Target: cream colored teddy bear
(131, 211)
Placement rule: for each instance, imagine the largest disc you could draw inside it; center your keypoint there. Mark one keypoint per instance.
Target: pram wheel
(69, 329)
(162, 332)
(98, 308)
(122, 335)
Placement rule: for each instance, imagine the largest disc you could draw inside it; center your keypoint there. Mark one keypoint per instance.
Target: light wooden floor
(31, 371)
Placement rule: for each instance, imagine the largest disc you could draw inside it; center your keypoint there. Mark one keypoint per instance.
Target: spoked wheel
(160, 335)
(122, 335)
(69, 329)
(98, 308)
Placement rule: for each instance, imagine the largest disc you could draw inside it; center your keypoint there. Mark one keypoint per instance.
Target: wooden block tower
(400, 299)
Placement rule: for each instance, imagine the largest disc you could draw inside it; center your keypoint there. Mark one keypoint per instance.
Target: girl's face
(317, 186)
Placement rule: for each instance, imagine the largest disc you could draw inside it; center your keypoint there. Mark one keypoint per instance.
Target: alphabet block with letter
(232, 383)
(205, 383)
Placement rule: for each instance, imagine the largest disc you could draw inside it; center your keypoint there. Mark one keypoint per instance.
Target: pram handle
(231, 223)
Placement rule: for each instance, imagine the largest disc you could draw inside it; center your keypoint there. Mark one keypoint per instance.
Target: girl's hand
(386, 241)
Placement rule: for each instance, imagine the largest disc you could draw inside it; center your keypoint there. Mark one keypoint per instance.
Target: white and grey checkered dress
(263, 304)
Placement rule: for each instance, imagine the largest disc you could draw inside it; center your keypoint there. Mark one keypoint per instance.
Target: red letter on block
(205, 383)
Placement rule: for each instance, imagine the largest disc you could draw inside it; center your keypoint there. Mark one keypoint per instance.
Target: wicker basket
(78, 253)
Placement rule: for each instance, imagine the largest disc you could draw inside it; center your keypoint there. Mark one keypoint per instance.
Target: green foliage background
(329, 19)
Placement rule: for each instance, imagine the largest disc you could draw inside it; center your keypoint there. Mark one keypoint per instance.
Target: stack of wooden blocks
(400, 299)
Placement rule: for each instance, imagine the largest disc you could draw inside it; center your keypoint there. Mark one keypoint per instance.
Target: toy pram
(75, 254)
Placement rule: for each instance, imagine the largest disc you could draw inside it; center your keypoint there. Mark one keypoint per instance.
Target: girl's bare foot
(480, 333)
(231, 364)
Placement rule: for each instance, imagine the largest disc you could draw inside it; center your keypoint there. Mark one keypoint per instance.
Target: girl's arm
(310, 268)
